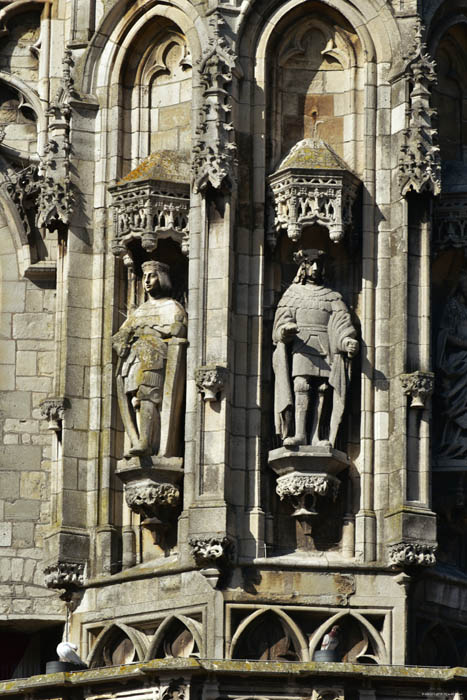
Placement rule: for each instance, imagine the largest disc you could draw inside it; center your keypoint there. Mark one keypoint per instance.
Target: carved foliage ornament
(419, 386)
(208, 550)
(412, 554)
(420, 162)
(214, 150)
(297, 484)
(146, 496)
(64, 575)
(53, 410)
(211, 380)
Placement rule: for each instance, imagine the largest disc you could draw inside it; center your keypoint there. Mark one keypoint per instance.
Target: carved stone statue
(143, 345)
(452, 366)
(315, 340)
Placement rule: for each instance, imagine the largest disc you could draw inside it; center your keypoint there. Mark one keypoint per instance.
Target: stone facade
(233, 346)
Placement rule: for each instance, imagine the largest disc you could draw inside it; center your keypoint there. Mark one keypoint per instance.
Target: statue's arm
(342, 324)
(285, 327)
(121, 339)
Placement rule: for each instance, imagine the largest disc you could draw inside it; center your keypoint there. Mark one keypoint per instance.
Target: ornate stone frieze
(412, 554)
(214, 151)
(146, 496)
(312, 185)
(152, 202)
(211, 550)
(297, 484)
(211, 380)
(419, 386)
(64, 575)
(420, 162)
(450, 222)
(53, 410)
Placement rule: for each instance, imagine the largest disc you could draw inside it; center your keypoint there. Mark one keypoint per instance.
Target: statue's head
(156, 278)
(311, 265)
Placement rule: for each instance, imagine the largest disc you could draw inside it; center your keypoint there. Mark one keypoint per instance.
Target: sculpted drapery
(314, 339)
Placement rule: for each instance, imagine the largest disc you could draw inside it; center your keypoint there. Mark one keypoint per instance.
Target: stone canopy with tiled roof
(168, 166)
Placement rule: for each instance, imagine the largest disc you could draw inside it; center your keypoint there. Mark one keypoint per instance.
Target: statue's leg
(302, 399)
(149, 429)
(317, 413)
(126, 413)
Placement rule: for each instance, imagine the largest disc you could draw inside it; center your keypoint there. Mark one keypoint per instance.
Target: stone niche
(313, 176)
(151, 215)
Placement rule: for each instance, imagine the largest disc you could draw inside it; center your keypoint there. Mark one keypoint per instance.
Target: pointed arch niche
(315, 83)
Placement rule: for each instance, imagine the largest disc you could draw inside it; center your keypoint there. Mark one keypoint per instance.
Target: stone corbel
(155, 502)
(302, 491)
(419, 387)
(211, 380)
(214, 151)
(65, 575)
(53, 410)
(406, 554)
(420, 162)
(213, 554)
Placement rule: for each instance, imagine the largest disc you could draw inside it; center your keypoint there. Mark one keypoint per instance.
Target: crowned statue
(143, 346)
(315, 342)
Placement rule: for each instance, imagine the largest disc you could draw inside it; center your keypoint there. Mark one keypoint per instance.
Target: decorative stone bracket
(213, 553)
(211, 380)
(304, 474)
(420, 162)
(152, 491)
(53, 410)
(412, 554)
(419, 386)
(312, 186)
(67, 575)
(302, 491)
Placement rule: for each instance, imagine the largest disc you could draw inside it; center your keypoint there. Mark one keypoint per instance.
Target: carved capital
(67, 575)
(146, 496)
(53, 410)
(211, 550)
(412, 554)
(419, 386)
(211, 380)
(296, 485)
(420, 161)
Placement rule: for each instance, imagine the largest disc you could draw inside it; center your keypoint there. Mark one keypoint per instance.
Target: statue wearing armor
(314, 339)
(141, 344)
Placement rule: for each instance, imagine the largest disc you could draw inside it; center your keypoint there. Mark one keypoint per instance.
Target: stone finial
(66, 575)
(53, 410)
(412, 554)
(419, 386)
(214, 151)
(420, 161)
(211, 380)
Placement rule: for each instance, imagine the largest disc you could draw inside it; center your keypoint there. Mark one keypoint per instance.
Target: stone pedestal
(304, 474)
(152, 490)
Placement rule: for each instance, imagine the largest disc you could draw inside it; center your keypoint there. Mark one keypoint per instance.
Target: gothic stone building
(233, 348)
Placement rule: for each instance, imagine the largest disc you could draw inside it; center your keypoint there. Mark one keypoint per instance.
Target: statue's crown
(308, 255)
(154, 265)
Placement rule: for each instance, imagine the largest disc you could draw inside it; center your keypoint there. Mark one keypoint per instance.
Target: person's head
(311, 263)
(156, 278)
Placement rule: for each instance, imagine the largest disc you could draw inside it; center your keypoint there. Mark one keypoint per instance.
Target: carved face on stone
(151, 282)
(314, 270)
